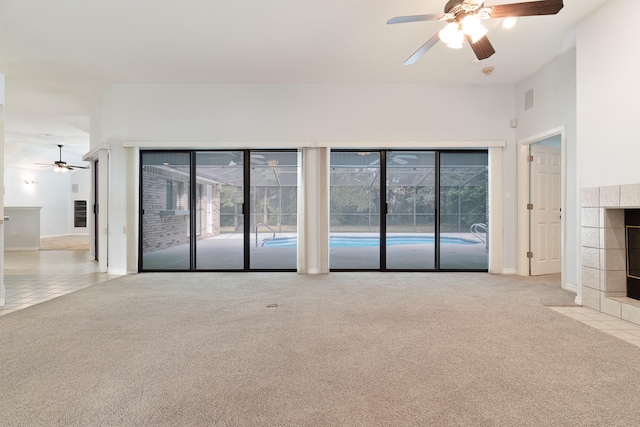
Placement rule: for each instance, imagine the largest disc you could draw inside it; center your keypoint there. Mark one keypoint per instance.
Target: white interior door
(545, 213)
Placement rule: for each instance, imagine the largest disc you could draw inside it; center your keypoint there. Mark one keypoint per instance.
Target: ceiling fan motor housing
(456, 10)
(456, 6)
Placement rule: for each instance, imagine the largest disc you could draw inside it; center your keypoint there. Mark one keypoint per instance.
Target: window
(174, 195)
(79, 213)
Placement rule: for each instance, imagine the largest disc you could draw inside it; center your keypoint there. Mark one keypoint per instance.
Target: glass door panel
(410, 227)
(273, 241)
(165, 201)
(219, 222)
(355, 210)
(464, 180)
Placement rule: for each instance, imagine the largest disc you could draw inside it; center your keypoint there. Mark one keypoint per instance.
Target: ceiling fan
(60, 166)
(464, 22)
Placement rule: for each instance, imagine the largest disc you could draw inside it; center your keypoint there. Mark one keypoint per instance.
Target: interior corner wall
(554, 106)
(608, 94)
(234, 115)
(52, 193)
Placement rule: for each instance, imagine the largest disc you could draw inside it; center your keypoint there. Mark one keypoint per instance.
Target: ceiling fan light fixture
(472, 27)
(451, 35)
(509, 22)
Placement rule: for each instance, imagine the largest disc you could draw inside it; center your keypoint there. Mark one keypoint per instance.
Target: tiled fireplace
(604, 278)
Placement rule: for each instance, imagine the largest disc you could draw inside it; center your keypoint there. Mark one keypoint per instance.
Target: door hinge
(529, 206)
(530, 159)
(529, 254)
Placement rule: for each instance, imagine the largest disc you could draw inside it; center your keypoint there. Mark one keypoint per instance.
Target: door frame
(523, 199)
(99, 232)
(95, 209)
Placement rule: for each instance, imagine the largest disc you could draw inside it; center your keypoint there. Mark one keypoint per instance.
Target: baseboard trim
(570, 287)
(510, 271)
(578, 300)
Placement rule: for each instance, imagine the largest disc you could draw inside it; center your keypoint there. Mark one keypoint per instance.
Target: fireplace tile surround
(604, 283)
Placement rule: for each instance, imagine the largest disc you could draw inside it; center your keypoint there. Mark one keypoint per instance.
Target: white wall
(52, 192)
(608, 93)
(554, 89)
(306, 113)
(234, 115)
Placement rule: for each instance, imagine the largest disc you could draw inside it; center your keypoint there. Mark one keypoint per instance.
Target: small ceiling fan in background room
(464, 19)
(61, 166)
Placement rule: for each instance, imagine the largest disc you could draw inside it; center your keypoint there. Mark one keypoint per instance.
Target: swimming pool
(369, 241)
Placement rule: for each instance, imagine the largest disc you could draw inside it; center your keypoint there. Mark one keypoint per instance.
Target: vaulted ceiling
(59, 56)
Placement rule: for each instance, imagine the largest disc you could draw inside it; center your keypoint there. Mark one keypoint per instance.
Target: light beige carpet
(345, 349)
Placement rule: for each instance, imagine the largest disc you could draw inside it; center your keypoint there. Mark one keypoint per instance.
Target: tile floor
(32, 277)
(626, 331)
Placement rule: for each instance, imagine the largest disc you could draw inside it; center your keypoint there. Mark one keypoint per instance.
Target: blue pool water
(368, 241)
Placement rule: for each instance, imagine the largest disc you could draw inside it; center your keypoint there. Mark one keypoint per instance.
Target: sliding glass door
(354, 239)
(411, 210)
(464, 181)
(274, 210)
(218, 210)
(433, 216)
(219, 177)
(165, 210)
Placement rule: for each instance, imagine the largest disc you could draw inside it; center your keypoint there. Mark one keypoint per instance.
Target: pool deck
(225, 252)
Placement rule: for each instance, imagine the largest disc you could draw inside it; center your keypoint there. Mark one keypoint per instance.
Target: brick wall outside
(160, 231)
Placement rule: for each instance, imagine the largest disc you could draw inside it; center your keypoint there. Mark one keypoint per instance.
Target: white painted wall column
(132, 209)
(117, 208)
(103, 210)
(313, 211)
(2, 289)
(496, 228)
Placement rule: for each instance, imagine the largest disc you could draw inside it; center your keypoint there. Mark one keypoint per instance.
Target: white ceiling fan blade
(415, 18)
(257, 159)
(423, 49)
(399, 161)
